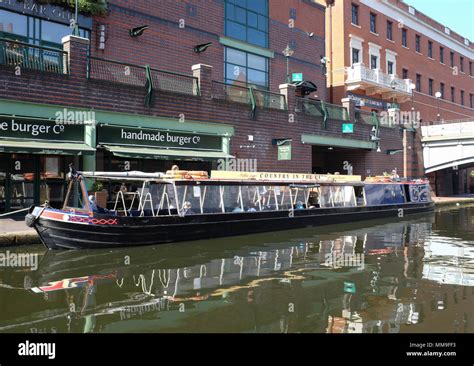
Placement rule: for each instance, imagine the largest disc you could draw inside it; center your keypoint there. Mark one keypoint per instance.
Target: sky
(457, 15)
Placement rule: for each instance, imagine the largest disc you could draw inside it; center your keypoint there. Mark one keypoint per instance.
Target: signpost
(284, 152)
(296, 77)
(347, 128)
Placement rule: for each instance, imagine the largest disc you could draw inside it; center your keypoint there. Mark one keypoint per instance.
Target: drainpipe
(329, 5)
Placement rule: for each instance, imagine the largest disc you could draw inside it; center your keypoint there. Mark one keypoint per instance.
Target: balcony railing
(322, 109)
(369, 118)
(266, 99)
(33, 57)
(129, 74)
(256, 98)
(231, 92)
(359, 73)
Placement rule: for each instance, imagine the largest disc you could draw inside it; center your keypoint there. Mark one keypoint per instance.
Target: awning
(150, 153)
(337, 141)
(45, 147)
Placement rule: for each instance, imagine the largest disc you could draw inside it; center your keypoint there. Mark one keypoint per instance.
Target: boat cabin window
(76, 197)
(384, 194)
(337, 196)
(359, 194)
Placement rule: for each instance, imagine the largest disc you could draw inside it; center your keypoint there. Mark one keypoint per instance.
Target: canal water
(413, 275)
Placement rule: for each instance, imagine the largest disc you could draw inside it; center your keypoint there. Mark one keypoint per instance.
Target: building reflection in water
(395, 277)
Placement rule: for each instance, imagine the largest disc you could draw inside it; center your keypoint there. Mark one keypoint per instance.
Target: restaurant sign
(42, 9)
(293, 177)
(147, 137)
(284, 152)
(38, 129)
(365, 101)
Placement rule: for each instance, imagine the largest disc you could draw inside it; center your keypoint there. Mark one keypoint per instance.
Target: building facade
(147, 85)
(386, 55)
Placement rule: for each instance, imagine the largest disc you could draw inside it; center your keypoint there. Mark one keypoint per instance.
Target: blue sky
(457, 15)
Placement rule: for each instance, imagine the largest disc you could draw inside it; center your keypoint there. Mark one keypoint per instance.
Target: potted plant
(101, 194)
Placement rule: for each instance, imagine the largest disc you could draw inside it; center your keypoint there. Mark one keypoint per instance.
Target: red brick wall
(415, 63)
(167, 46)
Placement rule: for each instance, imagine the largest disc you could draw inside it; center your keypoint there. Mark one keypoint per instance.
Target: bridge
(448, 144)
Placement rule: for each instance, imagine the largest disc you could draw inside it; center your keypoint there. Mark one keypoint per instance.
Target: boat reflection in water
(358, 280)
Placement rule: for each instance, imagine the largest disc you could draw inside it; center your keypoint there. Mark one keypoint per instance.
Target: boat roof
(158, 177)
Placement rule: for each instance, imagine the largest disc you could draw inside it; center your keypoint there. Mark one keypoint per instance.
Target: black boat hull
(136, 231)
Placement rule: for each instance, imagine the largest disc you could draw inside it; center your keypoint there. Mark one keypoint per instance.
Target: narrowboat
(155, 208)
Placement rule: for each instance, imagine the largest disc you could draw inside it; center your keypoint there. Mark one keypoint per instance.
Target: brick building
(131, 93)
(387, 55)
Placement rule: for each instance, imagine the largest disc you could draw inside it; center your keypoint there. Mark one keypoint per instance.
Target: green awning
(337, 141)
(150, 153)
(45, 147)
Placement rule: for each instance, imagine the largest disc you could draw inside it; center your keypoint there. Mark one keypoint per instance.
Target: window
(462, 97)
(418, 82)
(355, 56)
(470, 68)
(373, 61)
(441, 55)
(430, 49)
(247, 21)
(404, 37)
(471, 101)
(34, 30)
(461, 63)
(430, 87)
(245, 68)
(404, 74)
(373, 23)
(453, 97)
(441, 89)
(390, 68)
(355, 14)
(389, 30)
(451, 59)
(418, 43)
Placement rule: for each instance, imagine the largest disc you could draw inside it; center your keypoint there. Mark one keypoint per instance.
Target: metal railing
(359, 72)
(33, 57)
(116, 72)
(129, 74)
(369, 118)
(322, 109)
(266, 99)
(447, 121)
(230, 92)
(175, 82)
(244, 94)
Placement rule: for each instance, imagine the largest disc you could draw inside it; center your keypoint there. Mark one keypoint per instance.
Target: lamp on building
(393, 85)
(324, 61)
(412, 89)
(201, 47)
(288, 52)
(438, 96)
(138, 31)
(76, 16)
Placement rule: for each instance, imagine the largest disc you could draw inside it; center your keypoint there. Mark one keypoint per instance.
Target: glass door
(22, 181)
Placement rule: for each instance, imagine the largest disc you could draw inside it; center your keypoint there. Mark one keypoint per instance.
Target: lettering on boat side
(400, 212)
(37, 349)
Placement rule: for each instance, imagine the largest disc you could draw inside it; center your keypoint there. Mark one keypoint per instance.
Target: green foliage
(97, 186)
(92, 7)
